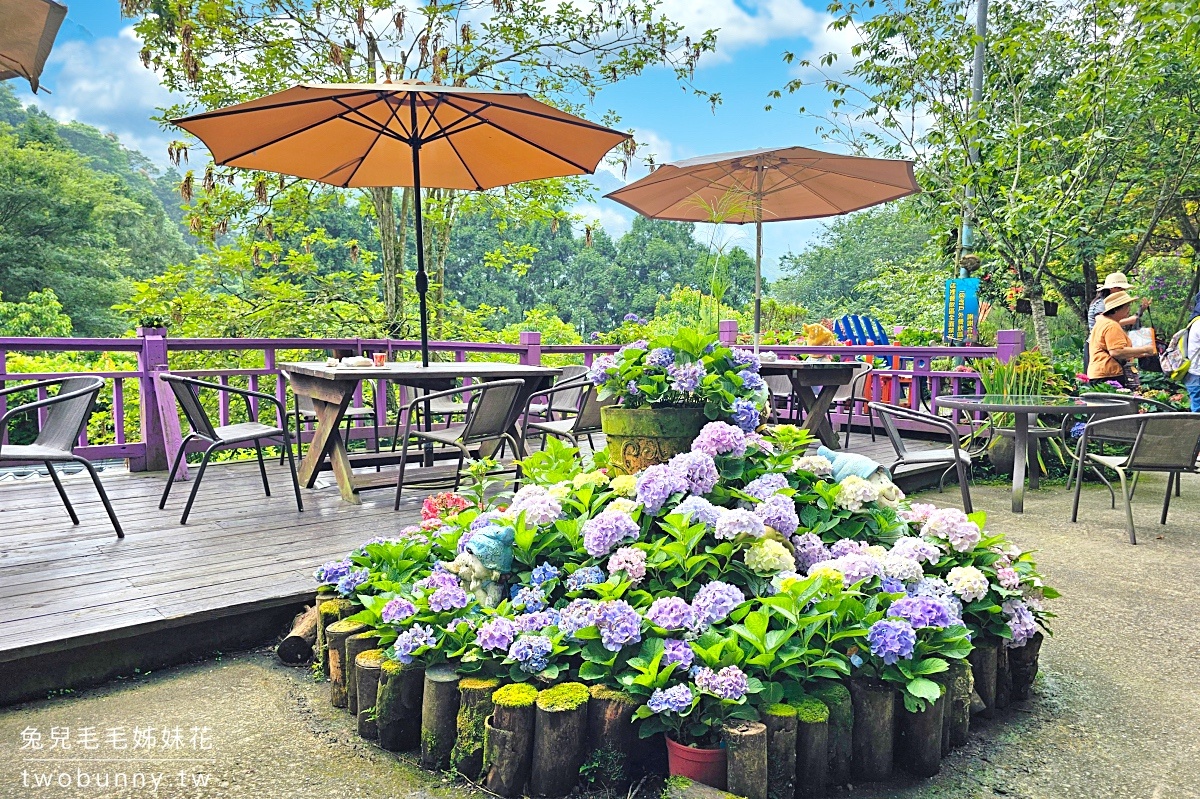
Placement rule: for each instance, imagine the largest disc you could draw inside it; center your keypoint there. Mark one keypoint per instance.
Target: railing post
(531, 340)
(1009, 344)
(727, 331)
(152, 358)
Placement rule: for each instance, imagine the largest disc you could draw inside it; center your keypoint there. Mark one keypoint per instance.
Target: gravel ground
(1116, 709)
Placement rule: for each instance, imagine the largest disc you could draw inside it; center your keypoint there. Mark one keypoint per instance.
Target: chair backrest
(568, 401)
(854, 387)
(1165, 442)
(888, 414)
(588, 418)
(1111, 406)
(187, 394)
(491, 410)
(66, 415)
(304, 402)
(780, 386)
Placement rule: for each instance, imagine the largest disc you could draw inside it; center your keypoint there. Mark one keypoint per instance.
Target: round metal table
(1025, 410)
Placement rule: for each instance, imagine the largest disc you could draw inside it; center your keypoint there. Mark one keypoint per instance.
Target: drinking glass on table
(380, 358)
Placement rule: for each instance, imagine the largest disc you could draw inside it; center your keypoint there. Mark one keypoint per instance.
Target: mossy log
(683, 788)
(1003, 677)
(366, 679)
(559, 739)
(297, 645)
(355, 646)
(398, 705)
(474, 705)
(983, 670)
(746, 756)
(439, 717)
(946, 680)
(874, 728)
(812, 748)
(781, 750)
(836, 697)
(611, 732)
(330, 609)
(508, 739)
(1023, 666)
(958, 707)
(919, 738)
(336, 635)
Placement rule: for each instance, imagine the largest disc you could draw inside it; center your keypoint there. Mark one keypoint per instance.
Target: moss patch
(567, 696)
(518, 694)
(478, 683)
(332, 608)
(603, 692)
(781, 710)
(833, 694)
(372, 658)
(391, 667)
(812, 711)
(366, 635)
(346, 626)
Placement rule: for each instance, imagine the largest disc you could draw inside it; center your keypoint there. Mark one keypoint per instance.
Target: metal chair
(584, 423)
(955, 458)
(304, 412)
(781, 403)
(1163, 442)
(1107, 406)
(187, 393)
(490, 410)
(853, 393)
(566, 402)
(67, 414)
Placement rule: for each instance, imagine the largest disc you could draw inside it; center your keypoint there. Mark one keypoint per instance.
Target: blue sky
(95, 77)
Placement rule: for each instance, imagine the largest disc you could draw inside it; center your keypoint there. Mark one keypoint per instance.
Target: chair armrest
(42, 403)
(35, 384)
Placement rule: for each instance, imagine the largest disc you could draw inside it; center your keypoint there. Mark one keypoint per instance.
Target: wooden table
(333, 387)
(805, 375)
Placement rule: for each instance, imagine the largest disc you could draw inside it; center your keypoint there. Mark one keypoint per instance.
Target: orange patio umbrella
(778, 185)
(406, 133)
(27, 31)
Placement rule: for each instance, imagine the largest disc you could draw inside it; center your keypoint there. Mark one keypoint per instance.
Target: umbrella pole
(422, 278)
(758, 201)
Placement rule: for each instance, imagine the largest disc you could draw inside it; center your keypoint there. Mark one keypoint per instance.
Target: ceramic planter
(707, 766)
(641, 437)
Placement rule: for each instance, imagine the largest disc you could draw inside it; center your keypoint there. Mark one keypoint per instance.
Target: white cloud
(615, 219)
(103, 83)
(752, 23)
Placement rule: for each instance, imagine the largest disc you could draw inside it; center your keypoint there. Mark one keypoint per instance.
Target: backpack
(1176, 360)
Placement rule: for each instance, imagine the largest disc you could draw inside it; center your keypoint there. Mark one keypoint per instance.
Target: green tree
(39, 314)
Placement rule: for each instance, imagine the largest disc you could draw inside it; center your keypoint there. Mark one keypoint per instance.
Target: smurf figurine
(850, 463)
(484, 560)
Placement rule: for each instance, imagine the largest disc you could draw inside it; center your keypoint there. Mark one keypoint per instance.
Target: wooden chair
(67, 414)
(851, 394)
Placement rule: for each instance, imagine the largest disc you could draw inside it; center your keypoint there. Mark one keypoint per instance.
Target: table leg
(815, 408)
(1035, 445)
(1020, 454)
(327, 443)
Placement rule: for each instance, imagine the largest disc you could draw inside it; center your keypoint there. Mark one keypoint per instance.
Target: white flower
(768, 556)
(622, 504)
(968, 582)
(903, 569)
(855, 493)
(817, 464)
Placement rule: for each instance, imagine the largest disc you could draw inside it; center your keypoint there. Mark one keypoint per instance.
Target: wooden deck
(65, 588)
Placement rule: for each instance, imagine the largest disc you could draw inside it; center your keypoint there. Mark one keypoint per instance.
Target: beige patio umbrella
(27, 31)
(406, 133)
(778, 184)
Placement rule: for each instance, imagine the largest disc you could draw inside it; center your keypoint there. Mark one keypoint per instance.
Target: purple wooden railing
(147, 446)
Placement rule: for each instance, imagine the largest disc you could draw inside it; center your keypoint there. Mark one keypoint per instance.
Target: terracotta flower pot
(707, 766)
(641, 437)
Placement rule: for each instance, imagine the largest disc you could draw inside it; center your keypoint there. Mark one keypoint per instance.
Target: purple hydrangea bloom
(698, 468)
(619, 624)
(531, 598)
(856, 567)
(766, 485)
(631, 317)
(438, 578)
(1008, 578)
(750, 380)
(602, 369)
(686, 377)
(396, 610)
(657, 483)
(728, 683)
(670, 613)
(699, 510)
(450, 598)
(532, 652)
(350, 581)
(679, 652)
(662, 357)
(847, 546)
(921, 611)
(891, 640)
(732, 523)
(496, 634)
(1020, 620)
(721, 438)
(331, 572)
(631, 561)
(640, 344)
(779, 513)
(578, 614)
(537, 505)
(745, 359)
(412, 639)
(810, 550)
(536, 622)
(714, 602)
(607, 529)
(541, 573)
(632, 388)
(890, 585)
(588, 575)
(917, 549)
(676, 699)
(745, 414)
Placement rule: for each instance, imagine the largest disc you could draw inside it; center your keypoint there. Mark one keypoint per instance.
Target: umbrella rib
(305, 129)
(224, 112)
(442, 134)
(519, 137)
(378, 133)
(576, 121)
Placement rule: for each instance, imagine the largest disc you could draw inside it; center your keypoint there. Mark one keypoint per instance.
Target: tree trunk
(559, 745)
(983, 671)
(297, 645)
(337, 633)
(958, 707)
(841, 729)
(1041, 328)
(874, 728)
(508, 747)
(355, 646)
(1003, 678)
(393, 273)
(330, 608)
(475, 705)
(610, 729)
(439, 717)
(398, 705)
(919, 738)
(1023, 666)
(746, 755)
(366, 670)
(812, 748)
(781, 750)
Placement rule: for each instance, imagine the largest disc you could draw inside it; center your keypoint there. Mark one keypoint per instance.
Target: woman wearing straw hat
(1109, 346)
(1114, 282)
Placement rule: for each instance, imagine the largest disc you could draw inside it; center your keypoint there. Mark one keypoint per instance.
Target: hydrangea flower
(686, 377)
(1020, 622)
(587, 575)
(640, 344)
(536, 622)
(1008, 578)
(538, 505)
(745, 414)
(592, 478)
(735, 522)
(679, 652)
(901, 568)
(921, 611)
(847, 546)
(607, 529)
(855, 493)
(698, 469)
(631, 561)
(531, 597)
(560, 490)
(968, 582)
(396, 610)
(768, 557)
(622, 505)
(624, 485)
(810, 550)
(918, 512)
(856, 567)
(331, 572)
(766, 486)
(439, 506)
(496, 634)
(657, 483)
(699, 510)
(728, 683)
(632, 388)
(602, 369)
(631, 317)
(676, 699)
(756, 441)
(916, 549)
(828, 570)
(720, 438)
(891, 640)
(448, 598)
(714, 602)
(438, 578)
(890, 585)
(745, 359)
(350, 581)
(532, 652)
(779, 513)
(578, 614)
(953, 526)
(816, 464)
(412, 639)
(543, 572)
(750, 380)
(660, 357)
(670, 613)
(619, 624)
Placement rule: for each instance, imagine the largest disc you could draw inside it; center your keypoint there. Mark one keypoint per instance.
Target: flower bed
(697, 595)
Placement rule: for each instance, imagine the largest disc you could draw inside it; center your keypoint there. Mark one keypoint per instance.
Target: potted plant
(152, 325)
(667, 389)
